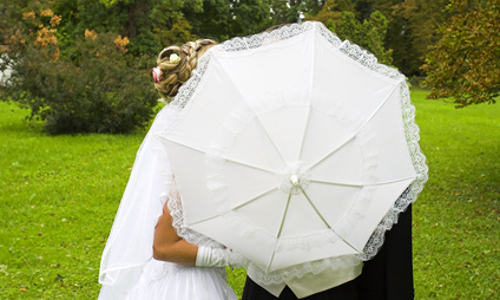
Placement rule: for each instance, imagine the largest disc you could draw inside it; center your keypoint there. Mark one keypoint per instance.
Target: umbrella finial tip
(294, 179)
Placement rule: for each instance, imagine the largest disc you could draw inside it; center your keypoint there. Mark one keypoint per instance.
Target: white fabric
(312, 282)
(164, 280)
(5, 75)
(341, 122)
(129, 245)
(217, 257)
(128, 249)
(127, 256)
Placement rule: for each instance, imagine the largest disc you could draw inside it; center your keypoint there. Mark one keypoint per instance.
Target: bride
(149, 254)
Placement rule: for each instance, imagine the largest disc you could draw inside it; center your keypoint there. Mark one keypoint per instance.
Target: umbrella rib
(270, 139)
(284, 214)
(326, 223)
(240, 205)
(338, 183)
(226, 158)
(204, 220)
(248, 165)
(311, 81)
(254, 198)
(255, 114)
(315, 209)
(184, 145)
(333, 151)
(392, 181)
(281, 226)
(354, 135)
(378, 108)
(360, 184)
(305, 131)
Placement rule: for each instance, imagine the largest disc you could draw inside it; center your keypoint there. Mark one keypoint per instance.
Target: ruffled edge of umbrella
(370, 62)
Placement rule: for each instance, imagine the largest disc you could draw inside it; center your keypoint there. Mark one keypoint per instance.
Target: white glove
(219, 257)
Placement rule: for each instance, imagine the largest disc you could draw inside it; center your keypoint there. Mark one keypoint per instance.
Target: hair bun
(176, 72)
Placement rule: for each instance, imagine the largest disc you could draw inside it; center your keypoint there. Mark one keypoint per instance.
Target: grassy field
(456, 219)
(59, 195)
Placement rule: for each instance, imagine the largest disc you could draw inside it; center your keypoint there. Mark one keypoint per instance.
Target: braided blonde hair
(174, 74)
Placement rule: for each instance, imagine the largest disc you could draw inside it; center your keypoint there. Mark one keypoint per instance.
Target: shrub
(99, 89)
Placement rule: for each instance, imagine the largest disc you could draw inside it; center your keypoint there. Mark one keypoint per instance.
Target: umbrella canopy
(292, 147)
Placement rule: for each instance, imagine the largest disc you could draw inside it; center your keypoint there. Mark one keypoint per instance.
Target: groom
(388, 276)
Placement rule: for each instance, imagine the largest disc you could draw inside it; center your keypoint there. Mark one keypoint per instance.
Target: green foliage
(369, 34)
(99, 90)
(364, 8)
(59, 195)
(411, 28)
(223, 19)
(374, 31)
(109, 3)
(214, 21)
(465, 63)
(148, 42)
(413, 31)
(346, 26)
(178, 34)
(236, 280)
(249, 16)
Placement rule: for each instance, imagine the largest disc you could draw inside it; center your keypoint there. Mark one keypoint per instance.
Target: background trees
(463, 62)
(396, 31)
(368, 32)
(95, 87)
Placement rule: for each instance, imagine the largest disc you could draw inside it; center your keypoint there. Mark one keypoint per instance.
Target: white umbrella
(293, 146)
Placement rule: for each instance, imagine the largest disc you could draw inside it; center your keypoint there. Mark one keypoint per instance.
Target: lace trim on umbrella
(265, 38)
(367, 60)
(410, 195)
(298, 271)
(186, 91)
(176, 211)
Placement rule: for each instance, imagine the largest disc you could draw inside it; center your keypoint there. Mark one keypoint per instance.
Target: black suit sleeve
(389, 275)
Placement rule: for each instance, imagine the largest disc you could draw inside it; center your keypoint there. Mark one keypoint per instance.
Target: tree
(101, 88)
(249, 16)
(223, 19)
(374, 31)
(465, 63)
(420, 19)
(292, 11)
(364, 8)
(285, 11)
(213, 21)
(340, 17)
(411, 29)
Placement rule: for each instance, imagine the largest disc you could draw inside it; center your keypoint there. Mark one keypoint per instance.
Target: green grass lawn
(59, 195)
(456, 218)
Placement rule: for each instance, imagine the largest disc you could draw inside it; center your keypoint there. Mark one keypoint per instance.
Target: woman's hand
(168, 246)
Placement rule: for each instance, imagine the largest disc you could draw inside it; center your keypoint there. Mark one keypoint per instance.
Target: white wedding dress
(164, 280)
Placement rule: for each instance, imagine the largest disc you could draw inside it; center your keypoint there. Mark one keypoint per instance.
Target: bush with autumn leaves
(96, 87)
